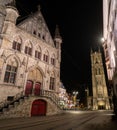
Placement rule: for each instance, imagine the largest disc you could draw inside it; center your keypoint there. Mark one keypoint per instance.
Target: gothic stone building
(99, 88)
(110, 45)
(29, 64)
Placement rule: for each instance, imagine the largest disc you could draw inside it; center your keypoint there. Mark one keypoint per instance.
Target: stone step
(16, 104)
(11, 106)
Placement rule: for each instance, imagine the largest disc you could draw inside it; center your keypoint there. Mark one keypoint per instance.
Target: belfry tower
(99, 88)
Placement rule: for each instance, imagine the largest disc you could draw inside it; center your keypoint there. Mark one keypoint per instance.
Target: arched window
(11, 70)
(53, 59)
(38, 53)
(46, 56)
(28, 49)
(17, 44)
(34, 32)
(52, 82)
(39, 35)
(96, 61)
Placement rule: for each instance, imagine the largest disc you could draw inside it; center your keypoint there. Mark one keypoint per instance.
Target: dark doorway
(101, 107)
(29, 87)
(38, 108)
(37, 88)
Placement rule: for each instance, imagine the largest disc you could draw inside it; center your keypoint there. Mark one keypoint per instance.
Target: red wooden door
(29, 87)
(38, 108)
(37, 89)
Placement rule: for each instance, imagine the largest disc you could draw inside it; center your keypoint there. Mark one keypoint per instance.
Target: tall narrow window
(28, 50)
(52, 83)
(16, 46)
(43, 37)
(34, 32)
(52, 61)
(106, 53)
(45, 58)
(39, 35)
(37, 54)
(10, 74)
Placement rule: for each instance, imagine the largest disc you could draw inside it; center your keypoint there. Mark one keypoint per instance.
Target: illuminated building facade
(29, 62)
(63, 97)
(99, 88)
(110, 45)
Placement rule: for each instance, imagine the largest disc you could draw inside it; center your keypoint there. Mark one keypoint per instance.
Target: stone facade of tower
(29, 58)
(99, 88)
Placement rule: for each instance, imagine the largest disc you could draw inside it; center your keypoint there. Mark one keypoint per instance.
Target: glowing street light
(75, 92)
(102, 39)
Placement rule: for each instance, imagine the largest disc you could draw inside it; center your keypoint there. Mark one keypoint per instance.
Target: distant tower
(3, 11)
(8, 17)
(12, 12)
(58, 41)
(100, 94)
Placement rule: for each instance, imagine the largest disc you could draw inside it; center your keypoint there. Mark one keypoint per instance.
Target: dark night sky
(80, 24)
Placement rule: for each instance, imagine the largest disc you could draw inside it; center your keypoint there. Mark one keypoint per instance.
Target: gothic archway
(101, 105)
(35, 76)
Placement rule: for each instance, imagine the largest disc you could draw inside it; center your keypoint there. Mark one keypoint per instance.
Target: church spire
(91, 50)
(39, 8)
(11, 11)
(57, 32)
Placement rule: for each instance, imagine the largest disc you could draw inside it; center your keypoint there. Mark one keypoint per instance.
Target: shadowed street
(69, 120)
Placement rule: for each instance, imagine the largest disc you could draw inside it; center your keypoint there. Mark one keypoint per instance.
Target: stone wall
(23, 108)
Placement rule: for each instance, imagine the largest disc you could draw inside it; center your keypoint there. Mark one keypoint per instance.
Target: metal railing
(51, 95)
(43, 93)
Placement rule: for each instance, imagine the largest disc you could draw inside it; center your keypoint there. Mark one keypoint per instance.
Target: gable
(36, 25)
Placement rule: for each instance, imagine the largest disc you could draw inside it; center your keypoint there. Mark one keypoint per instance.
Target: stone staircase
(7, 104)
(20, 103)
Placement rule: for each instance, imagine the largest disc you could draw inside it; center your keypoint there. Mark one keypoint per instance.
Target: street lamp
(87, 94)
(75, 93)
